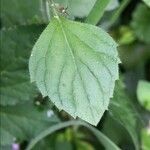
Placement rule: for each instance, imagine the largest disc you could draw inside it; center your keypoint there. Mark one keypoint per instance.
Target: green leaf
(145, 135)
(122, 111)
(6, 147)
(147, 2)
(82, 145)
(21, 12)
(143, 94)
(119, 137)
(76, 65)
(141, 23)
(15, 50)
(23, 122)
(126, 37)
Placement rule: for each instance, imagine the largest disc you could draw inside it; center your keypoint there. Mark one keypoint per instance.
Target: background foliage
(26, 115)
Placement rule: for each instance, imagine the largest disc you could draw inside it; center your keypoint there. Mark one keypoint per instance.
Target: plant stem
(44, 10)
(108, 144)
(117, 13)
(97, 12)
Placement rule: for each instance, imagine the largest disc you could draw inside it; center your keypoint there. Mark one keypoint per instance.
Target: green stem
(97, 12)
(117, 13)
(108, 144)
(44, 10)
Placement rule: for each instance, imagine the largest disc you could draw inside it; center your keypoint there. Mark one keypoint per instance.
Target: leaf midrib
(75, 64)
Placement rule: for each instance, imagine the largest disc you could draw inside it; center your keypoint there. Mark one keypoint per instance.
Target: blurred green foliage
(143, 94)
(145, 139)
(25, 113)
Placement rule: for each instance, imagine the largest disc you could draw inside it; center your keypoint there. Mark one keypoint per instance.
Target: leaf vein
(100, 86)
(76, 67)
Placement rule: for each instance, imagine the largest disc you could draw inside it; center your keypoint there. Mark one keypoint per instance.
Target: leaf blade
(66, 81)
(22, 14)
(119, 107)
(140, 23)
(15, 86)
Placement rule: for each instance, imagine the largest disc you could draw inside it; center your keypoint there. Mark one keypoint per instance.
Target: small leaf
(15, 50)
(122, 111)
(143, 93)
(76, 65)
(23, 122)
(141, 23)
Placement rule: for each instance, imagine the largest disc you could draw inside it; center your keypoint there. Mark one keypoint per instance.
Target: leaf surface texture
(76, 65)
